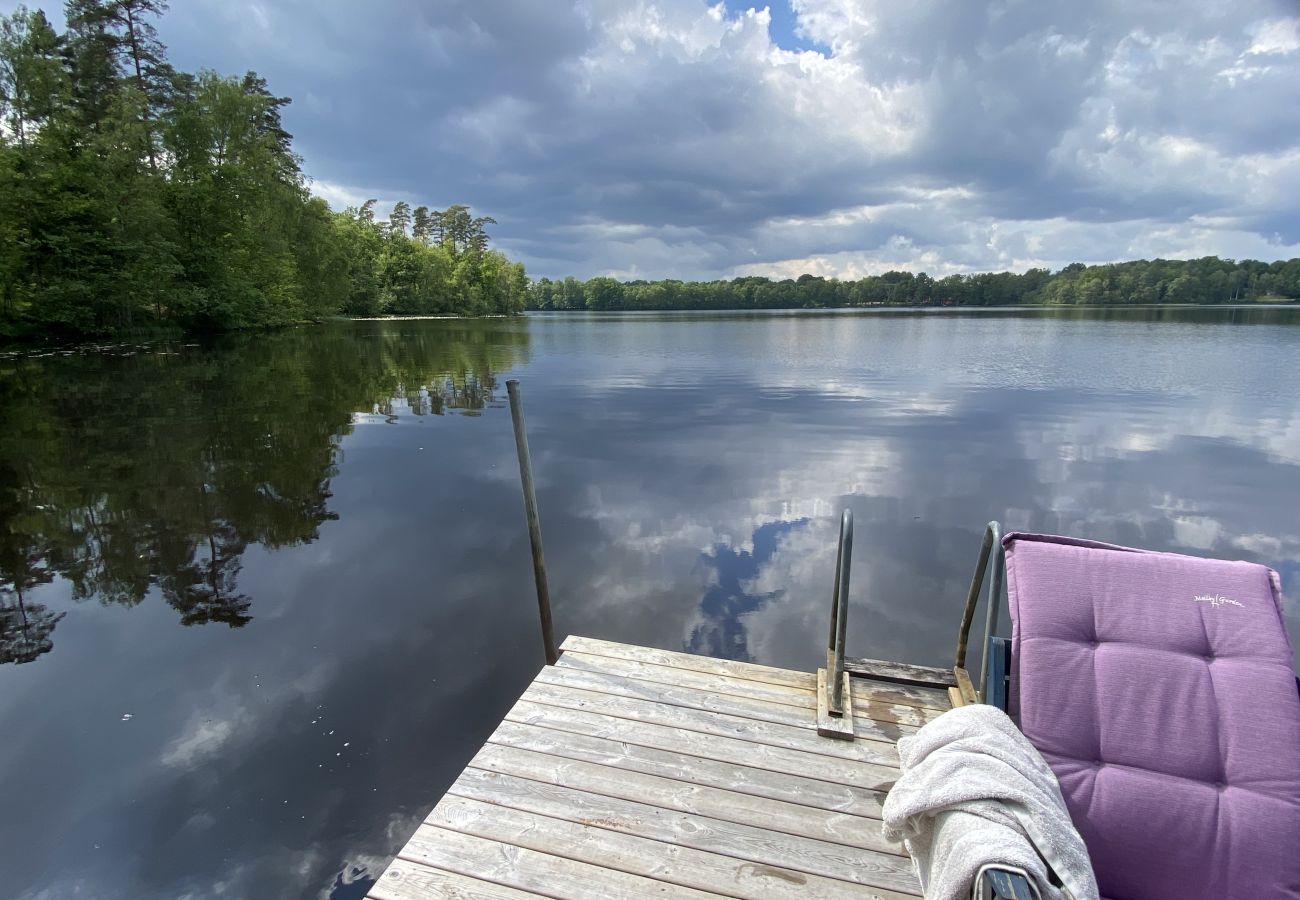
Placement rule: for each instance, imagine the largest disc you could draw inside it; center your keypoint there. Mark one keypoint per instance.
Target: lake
(265, 595)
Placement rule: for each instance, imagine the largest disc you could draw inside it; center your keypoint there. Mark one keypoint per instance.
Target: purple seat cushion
(1160, 690)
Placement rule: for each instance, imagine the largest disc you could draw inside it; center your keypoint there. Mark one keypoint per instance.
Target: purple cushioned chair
(1160, 690)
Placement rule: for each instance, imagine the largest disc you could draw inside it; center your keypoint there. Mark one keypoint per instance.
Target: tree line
(1204, 281)
(135, 196)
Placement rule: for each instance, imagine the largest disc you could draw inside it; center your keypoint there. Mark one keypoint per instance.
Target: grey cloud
(1024, 97)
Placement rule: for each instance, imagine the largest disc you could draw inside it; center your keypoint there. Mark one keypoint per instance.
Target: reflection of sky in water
(1153, 434)
(690, 473)
(719, 630)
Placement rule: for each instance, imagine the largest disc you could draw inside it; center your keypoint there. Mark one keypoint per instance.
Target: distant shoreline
(415, 318)
(11, 346)
(903, 307)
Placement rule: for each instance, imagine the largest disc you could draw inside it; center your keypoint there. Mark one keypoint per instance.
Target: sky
(842, 138)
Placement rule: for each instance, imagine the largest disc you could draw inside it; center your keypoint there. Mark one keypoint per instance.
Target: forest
(136, 197)
(1202, 281)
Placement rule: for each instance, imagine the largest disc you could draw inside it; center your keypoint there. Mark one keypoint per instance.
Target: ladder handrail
(987, 559)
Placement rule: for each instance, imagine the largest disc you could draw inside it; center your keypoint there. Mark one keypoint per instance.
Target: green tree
(399, 220)
(146, 59)
(32, 77)
(422, 224)
(91, 50)
(603, 294)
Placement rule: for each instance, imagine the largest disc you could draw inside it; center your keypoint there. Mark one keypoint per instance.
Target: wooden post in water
(534, 524)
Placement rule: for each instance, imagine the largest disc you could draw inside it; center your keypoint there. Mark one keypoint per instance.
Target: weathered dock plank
(902, 673)
(542, 873)
(781, 760)
(681, 867)
(906, 695)
(685, 796)
(748, 843)
(793, 787)
(700, 697)
(405, 880)
(632, 772)
(705, 718)
(784, 695)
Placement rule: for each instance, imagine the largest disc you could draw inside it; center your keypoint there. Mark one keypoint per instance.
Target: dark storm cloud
(672, 138)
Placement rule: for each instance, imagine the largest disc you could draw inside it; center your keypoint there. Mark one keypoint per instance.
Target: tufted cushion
(1160, 690)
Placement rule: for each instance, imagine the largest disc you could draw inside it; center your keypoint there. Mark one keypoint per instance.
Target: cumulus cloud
(680, 138)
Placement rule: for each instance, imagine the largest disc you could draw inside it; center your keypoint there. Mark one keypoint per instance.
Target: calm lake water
(276, 590)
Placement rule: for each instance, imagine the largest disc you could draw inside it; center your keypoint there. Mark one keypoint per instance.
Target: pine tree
(91, 51)
(477, 239)
(32, 79)
(399, 220)
(271, 126)
(422, 224)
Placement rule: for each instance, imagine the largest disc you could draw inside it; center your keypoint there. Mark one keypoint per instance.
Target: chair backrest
(1160, 689)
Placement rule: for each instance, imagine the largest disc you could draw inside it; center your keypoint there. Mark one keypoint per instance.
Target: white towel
(975, 793)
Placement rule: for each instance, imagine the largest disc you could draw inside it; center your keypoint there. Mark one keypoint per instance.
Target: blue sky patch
(783, 28)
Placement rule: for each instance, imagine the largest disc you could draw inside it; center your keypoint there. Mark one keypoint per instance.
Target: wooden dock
(625, 771)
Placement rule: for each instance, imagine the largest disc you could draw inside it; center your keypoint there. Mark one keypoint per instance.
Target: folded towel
(974, 793)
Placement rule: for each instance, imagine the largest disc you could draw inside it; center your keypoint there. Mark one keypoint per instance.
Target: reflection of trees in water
(467, 393)
(25, 629)
(203, 589)
(155, 472)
